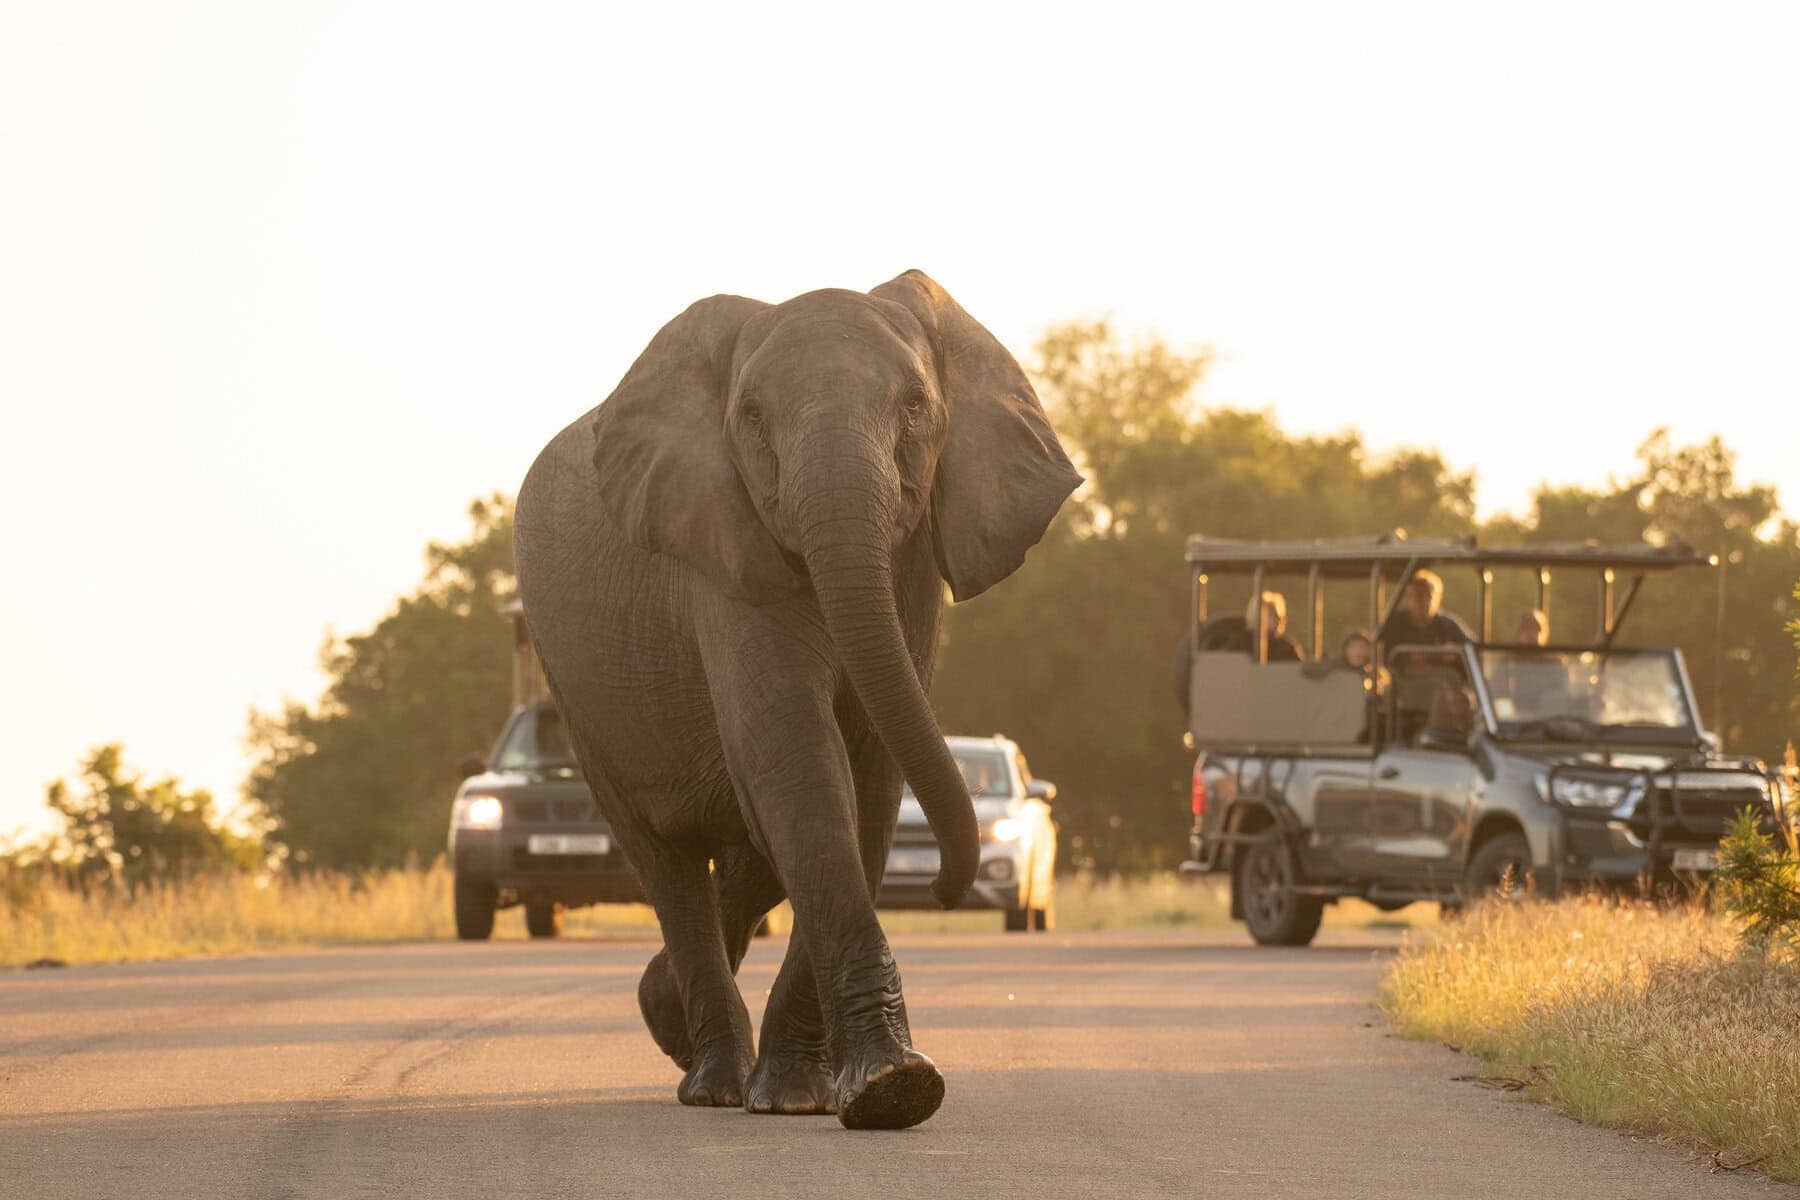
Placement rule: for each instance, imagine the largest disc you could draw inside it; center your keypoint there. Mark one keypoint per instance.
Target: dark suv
(524, 830)
(1455, 768)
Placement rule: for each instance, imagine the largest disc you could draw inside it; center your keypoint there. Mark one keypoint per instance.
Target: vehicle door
(1425, 776)
(1331, 797)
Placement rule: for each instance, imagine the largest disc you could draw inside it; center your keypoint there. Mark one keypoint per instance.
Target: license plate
(913, 862)
(1696, 860)
(569, 843)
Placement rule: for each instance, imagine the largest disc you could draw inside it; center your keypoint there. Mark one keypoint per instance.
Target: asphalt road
(1089, 1065)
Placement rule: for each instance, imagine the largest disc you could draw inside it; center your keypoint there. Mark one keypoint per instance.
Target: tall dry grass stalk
(1650, 1019)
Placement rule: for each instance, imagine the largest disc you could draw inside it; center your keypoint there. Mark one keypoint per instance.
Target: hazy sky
(282, 287)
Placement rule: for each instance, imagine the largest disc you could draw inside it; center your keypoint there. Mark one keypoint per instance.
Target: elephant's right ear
(666, 477)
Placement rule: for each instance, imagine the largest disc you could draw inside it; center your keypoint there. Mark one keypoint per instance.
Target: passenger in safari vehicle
(1420, 619)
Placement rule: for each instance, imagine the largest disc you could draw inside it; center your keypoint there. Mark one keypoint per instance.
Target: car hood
(987, 808)
(498, 783)
(1651, 762)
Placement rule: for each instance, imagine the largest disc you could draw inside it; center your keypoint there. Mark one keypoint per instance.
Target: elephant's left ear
(665, 475)
(1003, 474)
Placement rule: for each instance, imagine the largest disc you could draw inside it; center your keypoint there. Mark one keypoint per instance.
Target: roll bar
(1395, 558)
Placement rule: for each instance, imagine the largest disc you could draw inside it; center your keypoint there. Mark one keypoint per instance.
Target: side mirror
(471, 765)
(1041, 789)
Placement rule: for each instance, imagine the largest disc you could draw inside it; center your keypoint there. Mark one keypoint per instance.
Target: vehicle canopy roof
(1394, 553)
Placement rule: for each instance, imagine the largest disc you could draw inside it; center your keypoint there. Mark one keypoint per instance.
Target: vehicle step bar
(1329, 890)
(1407, 894)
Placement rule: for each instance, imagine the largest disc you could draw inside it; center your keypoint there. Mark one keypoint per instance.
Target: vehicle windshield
(984, 771)
(537, 741)
(1573, 693)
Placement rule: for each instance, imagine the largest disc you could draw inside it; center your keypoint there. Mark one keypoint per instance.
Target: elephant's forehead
(821, 333)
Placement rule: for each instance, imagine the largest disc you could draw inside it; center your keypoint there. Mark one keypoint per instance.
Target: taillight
(1199, 787)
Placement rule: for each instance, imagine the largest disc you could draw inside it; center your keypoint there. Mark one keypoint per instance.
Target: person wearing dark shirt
(1235, 633)
(1420, 619)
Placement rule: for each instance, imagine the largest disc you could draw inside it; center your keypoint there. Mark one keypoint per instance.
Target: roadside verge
(1654, 1020)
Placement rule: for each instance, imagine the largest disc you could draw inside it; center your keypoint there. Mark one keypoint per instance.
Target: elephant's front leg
(794, 1069)
(773, 687)
(794, 1073)
(880, 1081)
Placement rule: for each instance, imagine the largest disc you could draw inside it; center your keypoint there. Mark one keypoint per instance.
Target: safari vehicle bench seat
(1237, 703)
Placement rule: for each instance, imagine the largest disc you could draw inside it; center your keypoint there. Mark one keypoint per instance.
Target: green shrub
(1759, 880)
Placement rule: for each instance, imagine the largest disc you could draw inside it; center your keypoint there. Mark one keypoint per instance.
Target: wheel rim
(1266, 895)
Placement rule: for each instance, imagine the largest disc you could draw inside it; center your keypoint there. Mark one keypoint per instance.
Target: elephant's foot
(716, 1080)
(889, 1093)
(661, 1005)
(791, 1084)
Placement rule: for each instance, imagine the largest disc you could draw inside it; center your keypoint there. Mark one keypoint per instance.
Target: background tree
(364, 776)
(116, 827)
(1729, 623)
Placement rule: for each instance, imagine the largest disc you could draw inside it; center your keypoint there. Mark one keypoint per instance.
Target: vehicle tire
(474, 901)
(1501, 857)
(541, 918)
(1018, 920)
(1274, 915)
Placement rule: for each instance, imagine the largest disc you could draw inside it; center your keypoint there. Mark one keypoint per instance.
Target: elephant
(733, 571)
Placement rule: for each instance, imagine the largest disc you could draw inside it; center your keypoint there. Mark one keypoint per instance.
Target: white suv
(1018, 839)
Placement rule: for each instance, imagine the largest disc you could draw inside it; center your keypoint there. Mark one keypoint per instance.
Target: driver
(1452, 717)
(980, 777)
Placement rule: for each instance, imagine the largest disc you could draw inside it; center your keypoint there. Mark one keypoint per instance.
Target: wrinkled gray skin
(731, 570)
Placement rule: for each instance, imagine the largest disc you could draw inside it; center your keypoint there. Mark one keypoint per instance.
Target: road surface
(1086, 1065)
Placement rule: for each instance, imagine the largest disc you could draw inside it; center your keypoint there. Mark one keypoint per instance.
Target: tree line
(1071, 655)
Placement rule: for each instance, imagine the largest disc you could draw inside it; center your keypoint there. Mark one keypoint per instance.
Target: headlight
(1595, 793)
(478, 812)
(1006, 829)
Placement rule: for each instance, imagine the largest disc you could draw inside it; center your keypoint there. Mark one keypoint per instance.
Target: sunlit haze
(284, 287)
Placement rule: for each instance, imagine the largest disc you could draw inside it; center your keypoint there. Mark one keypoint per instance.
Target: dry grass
(234, 914)
(1646, 1019)
(238, 914)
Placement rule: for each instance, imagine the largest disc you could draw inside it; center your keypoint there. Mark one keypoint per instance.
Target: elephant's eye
(752, 415)
(915, 404)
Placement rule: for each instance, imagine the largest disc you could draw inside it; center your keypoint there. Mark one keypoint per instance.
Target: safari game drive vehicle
(1462, 767)
(524, 829)
(1018, 839)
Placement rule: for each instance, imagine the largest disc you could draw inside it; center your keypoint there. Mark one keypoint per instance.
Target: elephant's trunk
(847, 535)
